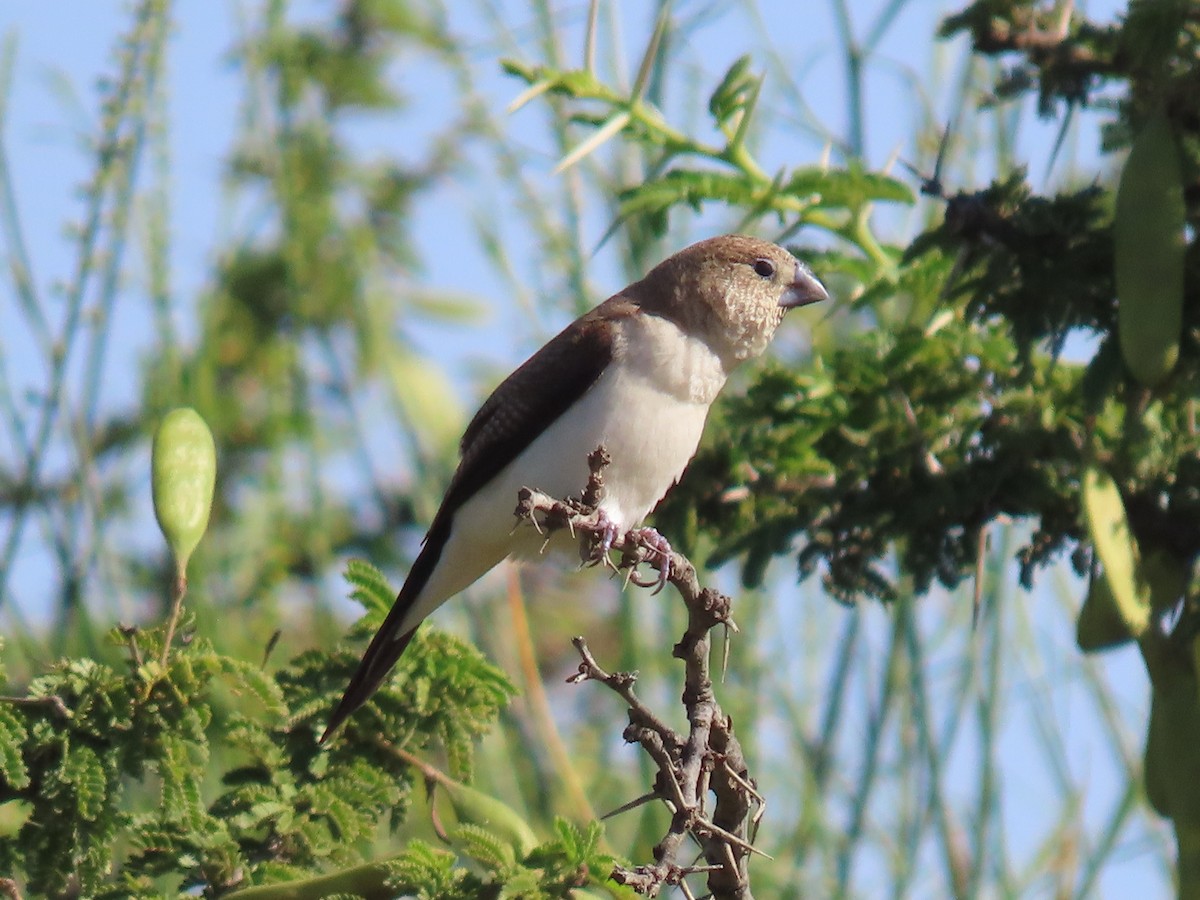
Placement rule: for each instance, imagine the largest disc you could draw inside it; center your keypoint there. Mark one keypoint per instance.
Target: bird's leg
(601, 536)
(656, 544)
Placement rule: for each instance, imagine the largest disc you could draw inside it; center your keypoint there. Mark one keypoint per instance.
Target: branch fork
(706, 762)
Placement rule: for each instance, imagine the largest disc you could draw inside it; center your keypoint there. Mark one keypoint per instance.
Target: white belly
(650, 436)
(647, 409)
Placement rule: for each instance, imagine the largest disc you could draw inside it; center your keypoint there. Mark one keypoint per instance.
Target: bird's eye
(764, 267)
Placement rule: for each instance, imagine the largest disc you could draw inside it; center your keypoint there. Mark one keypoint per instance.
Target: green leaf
(654, 199)
(483, 846)
(13, 734)
(847, 188)
(730, 95)
(84, 771)
(13, 816)
(247, 676)
(423, 868)
(371, 588)
(577, 83)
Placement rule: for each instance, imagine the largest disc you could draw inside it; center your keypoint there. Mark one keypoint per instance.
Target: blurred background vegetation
(914, 453)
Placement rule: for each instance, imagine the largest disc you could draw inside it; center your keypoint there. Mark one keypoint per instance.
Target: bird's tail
(389, 641)
(376, 663)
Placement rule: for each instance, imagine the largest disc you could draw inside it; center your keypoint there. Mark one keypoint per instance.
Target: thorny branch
(708, 760)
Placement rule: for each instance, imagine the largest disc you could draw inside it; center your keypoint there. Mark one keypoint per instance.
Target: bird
(637, 375)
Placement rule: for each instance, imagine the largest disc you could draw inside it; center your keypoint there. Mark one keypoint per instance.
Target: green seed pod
(1165, 577)
(1173, 745)
(1109, 530)
(1196, 663)
(473, 807)
(183, 466)
(1155, 767)
(1100, 626)
(1159, 579)
(1148, 246)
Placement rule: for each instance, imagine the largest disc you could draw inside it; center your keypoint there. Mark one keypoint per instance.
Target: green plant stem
(948, 831)
(988, 711)
(873, 747)
(178, 592)
(854, 60)
(21, 262)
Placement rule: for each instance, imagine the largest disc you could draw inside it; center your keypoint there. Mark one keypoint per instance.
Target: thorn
(534, 90)
(606, 131)
(730, 862)
(730, 838)
(632, 804)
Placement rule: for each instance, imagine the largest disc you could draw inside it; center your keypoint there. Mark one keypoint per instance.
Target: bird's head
(731, 292)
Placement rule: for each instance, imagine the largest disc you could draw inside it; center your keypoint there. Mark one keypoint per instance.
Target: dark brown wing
(532, 397)
(522, 407)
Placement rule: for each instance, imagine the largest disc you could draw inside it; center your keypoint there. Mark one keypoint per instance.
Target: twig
(622, 683)
(178, 592)
(708, 760)
(53, 701)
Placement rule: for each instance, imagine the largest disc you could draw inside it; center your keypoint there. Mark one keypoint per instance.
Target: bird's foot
(600, 537)
(659, 549)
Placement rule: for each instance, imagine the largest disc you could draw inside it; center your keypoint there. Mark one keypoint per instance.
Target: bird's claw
(657, 545)
(604, 533)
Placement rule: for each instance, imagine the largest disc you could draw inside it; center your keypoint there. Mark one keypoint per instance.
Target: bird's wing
(521, 408)
(531, 398)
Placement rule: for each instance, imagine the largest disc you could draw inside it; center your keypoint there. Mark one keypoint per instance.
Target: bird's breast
(673, 362)
(647, 409)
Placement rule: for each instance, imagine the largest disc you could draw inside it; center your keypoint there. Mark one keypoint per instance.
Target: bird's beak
(803, 290)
